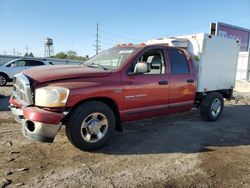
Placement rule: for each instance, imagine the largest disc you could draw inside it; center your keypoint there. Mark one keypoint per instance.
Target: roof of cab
(143, 45)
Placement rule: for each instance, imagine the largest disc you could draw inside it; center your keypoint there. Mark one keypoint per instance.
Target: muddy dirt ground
(178, 150)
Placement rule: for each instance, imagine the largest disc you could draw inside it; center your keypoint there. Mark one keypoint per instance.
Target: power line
(84, 35)
(107, 43)
(110, 39)
(118, 30)
(119, 36)
(198, 27)
(104, 36)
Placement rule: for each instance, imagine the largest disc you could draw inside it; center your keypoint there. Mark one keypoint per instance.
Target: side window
(34, 63)
(178, 62)
(19, 63)
(155, 59)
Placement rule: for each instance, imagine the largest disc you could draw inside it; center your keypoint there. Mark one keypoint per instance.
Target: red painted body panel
(182, 93)
(89, 88)
(136, 96)
(142, 96)
(43, 74)
(39, 115)
(150, 99)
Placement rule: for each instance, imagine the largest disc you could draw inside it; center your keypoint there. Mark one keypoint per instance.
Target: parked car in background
(9, 69)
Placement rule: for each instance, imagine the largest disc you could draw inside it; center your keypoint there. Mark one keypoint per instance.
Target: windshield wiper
(95, 65)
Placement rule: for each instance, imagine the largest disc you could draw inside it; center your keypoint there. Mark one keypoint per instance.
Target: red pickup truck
(124, 83)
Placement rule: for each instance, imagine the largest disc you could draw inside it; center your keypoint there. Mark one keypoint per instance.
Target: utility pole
(97, 46)
(27, 50)
(14, 51)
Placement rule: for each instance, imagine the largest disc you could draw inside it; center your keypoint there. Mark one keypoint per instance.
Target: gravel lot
(173, 151)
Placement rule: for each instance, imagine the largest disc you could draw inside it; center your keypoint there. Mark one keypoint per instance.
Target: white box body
(215, 59)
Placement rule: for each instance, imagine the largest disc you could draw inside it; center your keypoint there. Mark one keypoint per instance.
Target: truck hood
(61, 72)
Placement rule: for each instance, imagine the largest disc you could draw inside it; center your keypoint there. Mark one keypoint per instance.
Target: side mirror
(13, 65)
(141, 67)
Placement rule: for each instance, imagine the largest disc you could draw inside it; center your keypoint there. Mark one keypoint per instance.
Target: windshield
(111, 59)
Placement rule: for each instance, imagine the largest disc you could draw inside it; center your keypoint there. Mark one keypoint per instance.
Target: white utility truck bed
(215, 59)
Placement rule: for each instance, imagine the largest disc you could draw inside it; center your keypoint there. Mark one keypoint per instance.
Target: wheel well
(5, 75)
(111, 103)
(226, 93)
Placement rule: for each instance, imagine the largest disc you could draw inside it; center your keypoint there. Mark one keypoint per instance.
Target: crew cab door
(182, 81)
(146, 94)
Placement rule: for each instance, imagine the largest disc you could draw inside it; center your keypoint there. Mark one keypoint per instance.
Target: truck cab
(170, 74)
(124, 83)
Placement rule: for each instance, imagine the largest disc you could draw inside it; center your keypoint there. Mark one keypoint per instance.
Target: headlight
(51, 96)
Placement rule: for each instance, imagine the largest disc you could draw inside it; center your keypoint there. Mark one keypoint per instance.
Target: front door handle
(164, 82)
(190, 81)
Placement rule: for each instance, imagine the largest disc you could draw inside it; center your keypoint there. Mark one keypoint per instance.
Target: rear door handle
(190, 81)
(164, 82)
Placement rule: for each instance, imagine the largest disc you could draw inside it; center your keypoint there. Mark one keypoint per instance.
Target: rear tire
(90, 125)
(3, 80)
(212, 106)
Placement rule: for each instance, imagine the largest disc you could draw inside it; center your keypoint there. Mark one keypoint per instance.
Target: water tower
(48, 47)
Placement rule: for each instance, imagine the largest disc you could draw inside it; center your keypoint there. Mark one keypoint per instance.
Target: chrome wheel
(94, 127)
(3, 80)
(216, 107)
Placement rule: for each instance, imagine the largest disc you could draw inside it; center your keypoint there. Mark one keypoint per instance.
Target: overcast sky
(72, 23)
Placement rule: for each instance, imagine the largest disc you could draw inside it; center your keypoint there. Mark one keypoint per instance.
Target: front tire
(90, 125)
(212, 106)
(3, 80)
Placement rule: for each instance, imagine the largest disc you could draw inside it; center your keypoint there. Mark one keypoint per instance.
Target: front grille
(21, 89)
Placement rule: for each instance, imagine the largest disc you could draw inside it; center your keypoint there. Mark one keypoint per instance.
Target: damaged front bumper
(38, 124)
